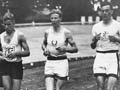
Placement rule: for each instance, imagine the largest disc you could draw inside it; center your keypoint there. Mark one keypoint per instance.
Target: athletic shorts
(106, 64)
(13, 69)
(58, 68)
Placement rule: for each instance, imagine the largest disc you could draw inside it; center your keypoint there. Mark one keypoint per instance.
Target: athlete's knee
(16, 87)
(7, 88)
(109, 88)
(100, 85)
(16, 84)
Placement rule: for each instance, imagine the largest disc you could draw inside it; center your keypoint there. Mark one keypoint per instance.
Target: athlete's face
(55, 19)
(9, 25)
(106, 12)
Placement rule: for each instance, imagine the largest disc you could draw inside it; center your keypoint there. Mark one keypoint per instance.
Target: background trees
(38, 10)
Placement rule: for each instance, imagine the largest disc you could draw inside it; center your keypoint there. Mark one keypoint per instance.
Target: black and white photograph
(59, 44)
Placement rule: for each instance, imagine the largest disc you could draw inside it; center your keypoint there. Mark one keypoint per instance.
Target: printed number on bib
(9, 50)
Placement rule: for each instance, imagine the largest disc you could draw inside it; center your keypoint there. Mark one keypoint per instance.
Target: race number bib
(9, 50)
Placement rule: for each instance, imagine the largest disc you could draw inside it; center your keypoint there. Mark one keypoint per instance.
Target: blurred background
(26, 11)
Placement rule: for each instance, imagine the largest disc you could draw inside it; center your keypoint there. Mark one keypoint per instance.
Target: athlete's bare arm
(73, 48)
(69, 40)
(114, 39)
(1, 53)
(25, 52)
(44, 44)
(94, 41)
(23, 43)
(0, 46)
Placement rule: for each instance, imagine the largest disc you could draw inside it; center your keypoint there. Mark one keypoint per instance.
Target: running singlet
(12, 46)
(55, 40)
(113, 29)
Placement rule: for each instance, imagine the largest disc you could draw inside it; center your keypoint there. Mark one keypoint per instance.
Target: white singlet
(55, 40)
(12, 46)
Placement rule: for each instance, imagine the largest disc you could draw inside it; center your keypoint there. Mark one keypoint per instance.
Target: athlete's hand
(96, 38)
(2, 56)
(1, 53)
(112, 38)
(11, 55)
(62, 49)
(46, 52)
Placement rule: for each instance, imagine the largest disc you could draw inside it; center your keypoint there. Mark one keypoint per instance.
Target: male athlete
(14, 47)
(55, 46)
(106, 40)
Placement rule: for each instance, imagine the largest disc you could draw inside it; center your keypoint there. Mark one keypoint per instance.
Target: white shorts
(106, 64)
(58, 68)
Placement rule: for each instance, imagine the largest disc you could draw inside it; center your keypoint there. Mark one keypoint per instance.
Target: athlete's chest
(107, 30)
(56, 38)
(8, 40)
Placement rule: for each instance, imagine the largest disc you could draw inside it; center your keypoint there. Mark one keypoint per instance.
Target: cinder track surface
(81, 77)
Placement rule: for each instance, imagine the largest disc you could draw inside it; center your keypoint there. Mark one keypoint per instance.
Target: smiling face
(106, 12)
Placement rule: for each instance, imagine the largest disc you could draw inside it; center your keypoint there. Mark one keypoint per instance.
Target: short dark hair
(56, 11)
(107, 3)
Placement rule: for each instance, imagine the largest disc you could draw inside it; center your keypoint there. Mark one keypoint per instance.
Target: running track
(81, 77)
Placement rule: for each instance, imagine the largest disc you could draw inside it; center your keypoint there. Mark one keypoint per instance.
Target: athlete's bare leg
(59, 83)
(49, 82)
(6, 82)
(111, 83)
(100, 82)
(16, 84)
